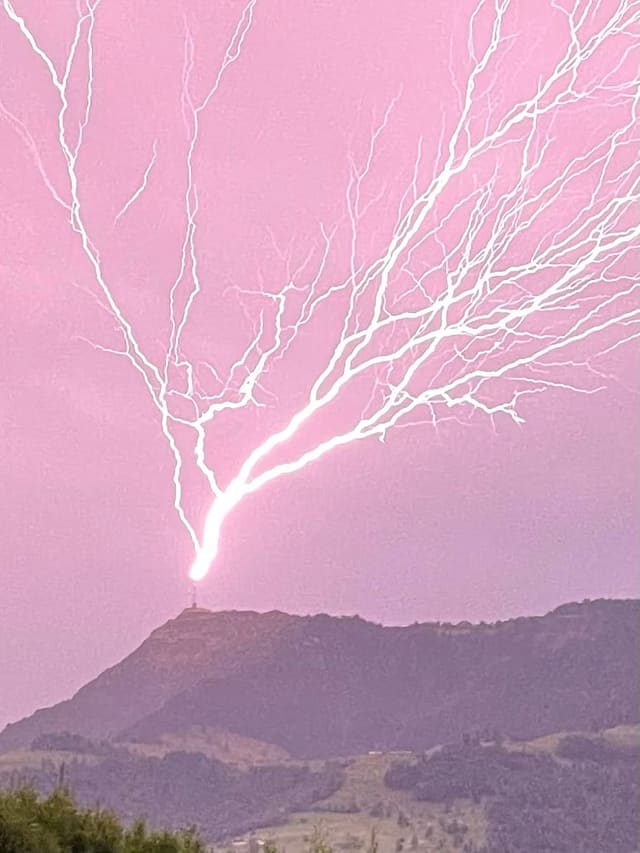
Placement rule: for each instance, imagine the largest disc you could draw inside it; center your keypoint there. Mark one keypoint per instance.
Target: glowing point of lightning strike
(509, 268)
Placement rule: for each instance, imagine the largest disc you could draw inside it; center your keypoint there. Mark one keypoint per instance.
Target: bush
(30, 823)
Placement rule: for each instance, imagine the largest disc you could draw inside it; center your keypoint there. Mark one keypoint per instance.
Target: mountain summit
(320, 686)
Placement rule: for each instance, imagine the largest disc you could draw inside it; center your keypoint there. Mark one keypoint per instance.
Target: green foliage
(54, 824)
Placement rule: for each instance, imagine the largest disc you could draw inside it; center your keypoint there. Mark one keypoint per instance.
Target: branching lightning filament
(506, 269)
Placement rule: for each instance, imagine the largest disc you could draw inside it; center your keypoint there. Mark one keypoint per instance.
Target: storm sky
(475, 518)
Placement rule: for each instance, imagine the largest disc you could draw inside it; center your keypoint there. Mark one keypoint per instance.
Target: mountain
(175, 656)
(324, 686)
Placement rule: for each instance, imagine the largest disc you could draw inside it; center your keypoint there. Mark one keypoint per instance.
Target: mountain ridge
(320, 685)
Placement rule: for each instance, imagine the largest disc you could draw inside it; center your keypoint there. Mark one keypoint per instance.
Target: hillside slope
(345, 686)
(322, 686)
(564, 792)
(175, 656)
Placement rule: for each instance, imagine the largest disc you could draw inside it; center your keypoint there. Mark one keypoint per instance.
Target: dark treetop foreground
(29, 824)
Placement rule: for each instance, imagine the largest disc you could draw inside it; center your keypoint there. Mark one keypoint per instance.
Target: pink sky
(464, 522)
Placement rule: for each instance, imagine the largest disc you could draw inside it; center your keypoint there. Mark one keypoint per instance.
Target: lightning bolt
(507, 270)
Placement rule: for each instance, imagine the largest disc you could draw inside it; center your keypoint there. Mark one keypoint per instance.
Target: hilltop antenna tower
(194, 599)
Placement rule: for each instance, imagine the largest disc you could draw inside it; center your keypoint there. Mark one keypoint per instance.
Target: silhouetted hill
(323, 686)
(175, 656)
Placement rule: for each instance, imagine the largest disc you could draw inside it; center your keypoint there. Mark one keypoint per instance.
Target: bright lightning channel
(444, 319)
